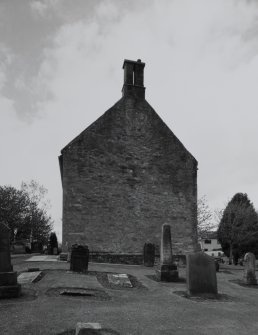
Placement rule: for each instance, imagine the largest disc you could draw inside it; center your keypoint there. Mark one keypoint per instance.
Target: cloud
(43, 8)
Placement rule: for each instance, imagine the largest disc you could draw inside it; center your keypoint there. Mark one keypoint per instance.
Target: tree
(14, 208)
(238, 228)
(24, 212)
(37, 194)
(38, 222)
(205, 221)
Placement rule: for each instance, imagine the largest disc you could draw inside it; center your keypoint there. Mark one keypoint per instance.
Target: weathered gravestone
(249, 270)
(168, 270)
(79, 258)
(9, 288)
(201, 274)
(149, 254)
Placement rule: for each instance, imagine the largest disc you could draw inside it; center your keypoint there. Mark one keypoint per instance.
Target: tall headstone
(149, 254)
(9, 288)
(249, 269)
(168, 270)
(201, 274)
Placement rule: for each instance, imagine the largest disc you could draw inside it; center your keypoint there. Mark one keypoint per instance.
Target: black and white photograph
(128, 167)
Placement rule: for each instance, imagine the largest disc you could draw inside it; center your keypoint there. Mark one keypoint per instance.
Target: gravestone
(201, 274)
(168, 270)
(249, 269)
(79, 258)
(149, 254)
(9, 288)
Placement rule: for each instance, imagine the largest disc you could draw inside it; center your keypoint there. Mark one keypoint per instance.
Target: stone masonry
(126, 175)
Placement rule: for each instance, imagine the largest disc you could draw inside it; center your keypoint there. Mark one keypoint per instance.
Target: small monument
(149, 254)
(201, 274)
(249, 269)
(168, 270)
(9, 288)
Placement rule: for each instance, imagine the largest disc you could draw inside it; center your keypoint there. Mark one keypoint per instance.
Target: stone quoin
(126, 175)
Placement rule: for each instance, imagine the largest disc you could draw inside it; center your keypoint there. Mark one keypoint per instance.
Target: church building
(127, 174)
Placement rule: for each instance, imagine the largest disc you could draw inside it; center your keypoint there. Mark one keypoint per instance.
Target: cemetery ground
(149, 307)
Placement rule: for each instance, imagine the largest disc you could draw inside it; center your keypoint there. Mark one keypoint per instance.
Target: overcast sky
(61, 68)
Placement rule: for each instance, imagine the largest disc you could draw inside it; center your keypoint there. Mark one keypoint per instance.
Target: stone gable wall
(124, 177)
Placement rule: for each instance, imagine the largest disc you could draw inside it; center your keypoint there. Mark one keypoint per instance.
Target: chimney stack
(133, 79)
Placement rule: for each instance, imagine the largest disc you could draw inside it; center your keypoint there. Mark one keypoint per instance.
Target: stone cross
(249, 269)
(201, 274)
(168, 270)
(9, 288)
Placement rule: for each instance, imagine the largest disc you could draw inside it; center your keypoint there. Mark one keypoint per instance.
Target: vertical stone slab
(249, 269)
(149, 254)
(168, 270)
(166, 245)
(201, 274)
(5, 254)
(8, 279)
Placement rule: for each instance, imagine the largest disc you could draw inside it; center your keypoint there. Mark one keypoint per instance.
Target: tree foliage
(205, 222)
(25, 211)
(238, 228)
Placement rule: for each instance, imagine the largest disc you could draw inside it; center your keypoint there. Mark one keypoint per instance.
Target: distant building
(210, 243)
(127, 174)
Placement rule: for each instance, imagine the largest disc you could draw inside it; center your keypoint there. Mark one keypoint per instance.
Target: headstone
(9, 288)
(149, 254)
(79, 258)
(249, 269)
(201, 274)
(19, 248)
(63, 256)
(168, 270)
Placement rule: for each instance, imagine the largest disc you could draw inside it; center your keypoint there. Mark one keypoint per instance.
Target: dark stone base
(250, 281)
(167, 273)
(8, 278)
(63, 256)
(13, 291)
(250, 278)
(149, 264)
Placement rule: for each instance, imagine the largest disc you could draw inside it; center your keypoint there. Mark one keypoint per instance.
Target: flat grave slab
(72, 279)
(45, 258)
(120, 279)
(28, 277)
(84, 328)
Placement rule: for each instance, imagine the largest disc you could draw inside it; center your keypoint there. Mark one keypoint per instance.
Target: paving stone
(28, 277)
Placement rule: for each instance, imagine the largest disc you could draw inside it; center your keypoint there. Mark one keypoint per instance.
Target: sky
(61, 68)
